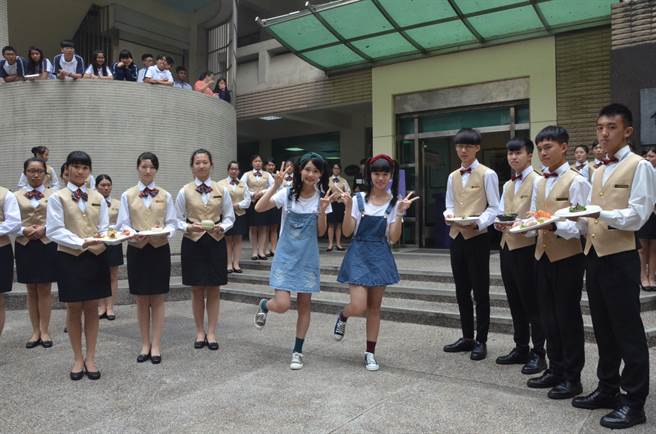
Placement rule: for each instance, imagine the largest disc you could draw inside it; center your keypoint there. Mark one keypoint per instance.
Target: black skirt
(274, 215)
(149, 269)
(204, 262)
(115, 255)
(648, 230)
(36, 262)
(337, 216)
(240, 227)
(6, 268)
(82, 278)
(257, 218)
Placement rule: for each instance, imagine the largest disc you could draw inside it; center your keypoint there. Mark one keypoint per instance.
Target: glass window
(289, 148)
(522, 114)
(470, 119)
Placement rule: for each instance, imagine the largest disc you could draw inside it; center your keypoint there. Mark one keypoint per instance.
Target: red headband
(385, 157)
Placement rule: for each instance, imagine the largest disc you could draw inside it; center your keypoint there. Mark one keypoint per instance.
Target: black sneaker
(340, 328)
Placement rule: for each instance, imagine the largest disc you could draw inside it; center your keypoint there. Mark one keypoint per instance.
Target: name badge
(217, 197)
(562, 198)
(621, 186)
(524, 196)
(95, 204)
(475, 186)
(159, 200)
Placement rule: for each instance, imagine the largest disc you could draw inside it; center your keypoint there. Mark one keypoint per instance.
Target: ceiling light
(270, 118)
(293, 149)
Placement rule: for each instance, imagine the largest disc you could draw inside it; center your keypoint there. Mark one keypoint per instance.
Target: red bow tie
(548, 175)
(34, 194)
(580, 166)
(79, 194)
(148, 192)
(258, 173)
(204, 189)
(234, 182)
(335, 180)
(516, 177)
(467, 170)
(610, 161)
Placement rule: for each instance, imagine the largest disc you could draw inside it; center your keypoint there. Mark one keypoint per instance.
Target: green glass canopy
(346, 34)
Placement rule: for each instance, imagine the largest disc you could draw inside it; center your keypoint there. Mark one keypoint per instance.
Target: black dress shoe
(46, 344)
(230, 271)
(329, 249)
(102, 316)
(460, 346)
(110, 317)
(77, 376)
(597, 399)
(339, 248)
(200, 344)
(32, 344)
(213, 346)
(270, 255)
(623, 417)
(479, 352)
(143, 357)
(254, 258)
(514, 357)
(156, 360)
(238, 270)
(95, 375)
(262, 258)
(545, 381)
(536, 364)
(566, 390)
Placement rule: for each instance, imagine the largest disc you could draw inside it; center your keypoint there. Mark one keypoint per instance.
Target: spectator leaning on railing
(181, 78)
(68, 65)
(159, 73)
(222, 90)
(205, 83)
(37, 63)
(98, 68)
(147, 61)
(125, 69)
(12, 67)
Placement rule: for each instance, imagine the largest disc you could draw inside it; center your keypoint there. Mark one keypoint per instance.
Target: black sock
(298, 345)
(371, 347)
(342, 317)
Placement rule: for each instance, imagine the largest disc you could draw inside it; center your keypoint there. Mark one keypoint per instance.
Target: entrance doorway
(428, 156)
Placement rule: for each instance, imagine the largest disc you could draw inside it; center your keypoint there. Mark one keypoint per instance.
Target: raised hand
(325, 201)
(406, 202)
(280, 175)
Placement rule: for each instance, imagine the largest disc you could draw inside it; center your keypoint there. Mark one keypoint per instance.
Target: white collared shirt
(12, 223)
(55, 227)
(123, 220)
(579, 190)
(641, 198)
(244, 204)
(517, 184)
(227, 212)
(491, 181)
(585, 170)
(159, 74)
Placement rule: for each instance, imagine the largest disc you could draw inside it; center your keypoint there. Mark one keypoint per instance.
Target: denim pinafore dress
(295, 266)
(369, 260)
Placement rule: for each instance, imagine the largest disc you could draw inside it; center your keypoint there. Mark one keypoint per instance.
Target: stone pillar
(4, 23)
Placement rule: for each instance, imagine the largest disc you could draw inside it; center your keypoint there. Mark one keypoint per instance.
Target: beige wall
(534, 59)
(4, 24)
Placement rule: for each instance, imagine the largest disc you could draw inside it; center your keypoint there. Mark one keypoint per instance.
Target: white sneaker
(297, 362)
(370, 362)
(340, 329)
(260, 315)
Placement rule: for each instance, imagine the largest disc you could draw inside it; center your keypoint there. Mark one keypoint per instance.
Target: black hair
(63, 169)
(199, 152)
(38, 150)
(180, 68)
(651, 149)
(517, 144)
(124, 54)
(101, 178)
(32, 66)
(231, 163)
(594, 144)
(255, 156)
(78, 157)
(169, 60)
(222, 79)
(94, 63)
(161, 57)
(381, 165)
(271, 160)
(148, 156)
(552, 132)
(297, 183)
(34, 160)
(203, 75)
(617, 109)
(335, 164)
(7, 48)
(467, 136)
(145, 56)
(67, 44)
(585, 148)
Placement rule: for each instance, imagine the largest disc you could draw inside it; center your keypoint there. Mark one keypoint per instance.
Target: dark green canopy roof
(354, 33)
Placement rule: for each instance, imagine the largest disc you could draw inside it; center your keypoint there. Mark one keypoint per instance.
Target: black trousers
(518, 274)
(559, 296)
(470, 264)
(613, 285)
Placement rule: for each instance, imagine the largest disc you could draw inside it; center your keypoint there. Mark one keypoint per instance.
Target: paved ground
(247, 386)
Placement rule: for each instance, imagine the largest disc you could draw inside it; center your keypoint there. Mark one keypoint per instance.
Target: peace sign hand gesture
(280, 175)
(406, 202)
(346, 198)
(325, 201)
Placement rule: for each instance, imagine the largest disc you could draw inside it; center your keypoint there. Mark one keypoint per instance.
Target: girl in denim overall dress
(368, 266)
(295, 266)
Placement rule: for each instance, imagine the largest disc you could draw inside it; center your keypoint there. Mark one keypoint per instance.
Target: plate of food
(155, 232)
(578, 211)
(506, 219)
(463, 221)
(114, 237)
(536, 220)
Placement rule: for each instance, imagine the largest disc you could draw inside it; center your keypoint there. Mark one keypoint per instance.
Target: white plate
(589, 209)
(463, 221)
(519, 229)
(155, 232)
(120, 238)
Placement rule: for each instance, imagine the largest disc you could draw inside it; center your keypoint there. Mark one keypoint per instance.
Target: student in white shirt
(241, 201)
(68, 65)
(12, 67)
(37, 63)
(159, 73)
(147, 61)
(98, 67)
(10, 223)
(51, 180)
(181, 78)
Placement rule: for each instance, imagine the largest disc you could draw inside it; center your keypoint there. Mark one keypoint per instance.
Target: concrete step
(429, 311)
